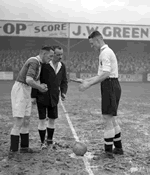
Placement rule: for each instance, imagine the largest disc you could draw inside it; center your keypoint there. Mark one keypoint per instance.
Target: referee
(54, 76)
(110, 93)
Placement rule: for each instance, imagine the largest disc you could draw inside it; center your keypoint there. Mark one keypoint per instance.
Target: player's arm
(31, 73)
(102, 75)
(106, 68)
(89, 79)
(99, 78)
(31, 82)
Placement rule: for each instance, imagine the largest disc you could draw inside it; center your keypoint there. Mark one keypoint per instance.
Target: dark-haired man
(110, 93)
(21, 99)
(54, 76)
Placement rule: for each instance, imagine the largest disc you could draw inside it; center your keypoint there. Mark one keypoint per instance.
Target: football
(79, 149)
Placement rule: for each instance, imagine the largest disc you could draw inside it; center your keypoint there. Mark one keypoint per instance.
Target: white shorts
(21, 100)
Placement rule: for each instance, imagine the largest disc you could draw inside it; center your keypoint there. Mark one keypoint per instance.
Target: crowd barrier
(145, 77)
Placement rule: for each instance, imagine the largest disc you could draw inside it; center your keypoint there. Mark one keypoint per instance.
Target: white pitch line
(85, 160)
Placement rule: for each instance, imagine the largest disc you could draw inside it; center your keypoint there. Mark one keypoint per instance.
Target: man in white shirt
(110, 93)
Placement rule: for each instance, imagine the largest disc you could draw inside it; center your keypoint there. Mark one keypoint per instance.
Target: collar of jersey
(38, 57)
(104, 46)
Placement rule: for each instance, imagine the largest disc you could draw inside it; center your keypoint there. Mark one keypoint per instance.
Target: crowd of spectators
(12, 60)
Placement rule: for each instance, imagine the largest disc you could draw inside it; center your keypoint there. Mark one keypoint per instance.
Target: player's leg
(15, 133)
(24, 135)
(42, 123)
(117, 139)
(24, 131)
(52, 116)
(109, 134)
(18, 111)
(108, 107)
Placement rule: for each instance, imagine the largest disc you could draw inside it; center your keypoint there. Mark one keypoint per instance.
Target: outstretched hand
(84, 85)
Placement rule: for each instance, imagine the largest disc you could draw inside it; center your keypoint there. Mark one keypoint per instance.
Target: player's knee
(105, 123)
(51, 123)
(26, 121)
(18, 123)
(42, 124)
(115, 123)
(108, 121)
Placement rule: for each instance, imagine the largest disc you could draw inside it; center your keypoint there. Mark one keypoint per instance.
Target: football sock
(108, 138)
(14, 140)
(24, 135)
(42, 130)
(24, 140)
(117, 138)
(50, 133)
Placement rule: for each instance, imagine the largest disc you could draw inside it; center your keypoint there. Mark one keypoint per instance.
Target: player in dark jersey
(21, 99)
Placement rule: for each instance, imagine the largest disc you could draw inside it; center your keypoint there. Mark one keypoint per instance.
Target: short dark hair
(95, 34)
(47, 48)
(57, 47)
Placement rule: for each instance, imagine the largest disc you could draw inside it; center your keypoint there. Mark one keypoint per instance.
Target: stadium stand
(12, 60)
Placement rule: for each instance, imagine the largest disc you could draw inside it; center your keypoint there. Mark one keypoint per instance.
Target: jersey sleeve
(106, 61)
(32, 69)
(99, 68)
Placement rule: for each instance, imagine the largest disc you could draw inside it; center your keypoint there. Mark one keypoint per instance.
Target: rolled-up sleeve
(106, 62)
(32, 69)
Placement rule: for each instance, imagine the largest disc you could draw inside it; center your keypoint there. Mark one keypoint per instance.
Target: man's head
(46, 54)
(96, 40)
(58, 54)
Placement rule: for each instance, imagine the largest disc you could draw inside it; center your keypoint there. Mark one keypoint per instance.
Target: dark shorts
(111, 93)
(47, 111)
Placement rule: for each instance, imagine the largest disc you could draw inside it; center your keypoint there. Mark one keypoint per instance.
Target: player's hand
(43, 87)
(84, 85)
(33, 100)
(63, 97)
